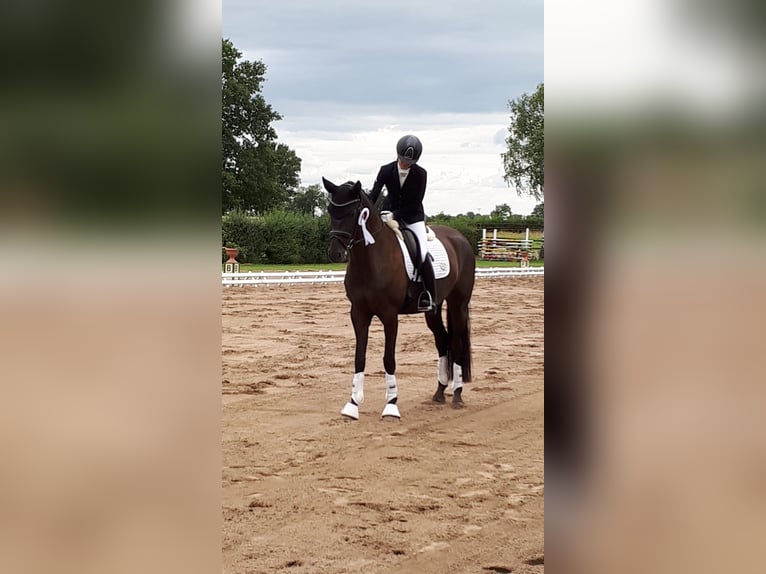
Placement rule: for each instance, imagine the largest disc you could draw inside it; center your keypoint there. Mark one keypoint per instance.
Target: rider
(406, 185)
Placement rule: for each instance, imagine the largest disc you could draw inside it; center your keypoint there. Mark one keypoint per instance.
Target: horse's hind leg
(460, 347)
(441, 339)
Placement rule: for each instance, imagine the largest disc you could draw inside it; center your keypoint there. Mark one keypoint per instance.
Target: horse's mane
(375, 213)
(366, 202)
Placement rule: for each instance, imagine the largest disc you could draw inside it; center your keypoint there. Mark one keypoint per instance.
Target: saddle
(412, 244)
(407, 236)
(415, 286)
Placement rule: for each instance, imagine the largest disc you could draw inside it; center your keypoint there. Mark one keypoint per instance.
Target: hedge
(277, 237)
(283, 237)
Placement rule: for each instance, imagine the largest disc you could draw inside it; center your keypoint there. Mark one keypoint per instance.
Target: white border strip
(314, 277)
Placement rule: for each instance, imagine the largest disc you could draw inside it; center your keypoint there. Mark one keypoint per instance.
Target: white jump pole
(527, 237)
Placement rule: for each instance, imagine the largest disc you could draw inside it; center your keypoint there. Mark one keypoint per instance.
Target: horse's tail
(459, 349)
(465, 342)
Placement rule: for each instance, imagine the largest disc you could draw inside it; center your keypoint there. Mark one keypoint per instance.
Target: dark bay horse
(377, 285)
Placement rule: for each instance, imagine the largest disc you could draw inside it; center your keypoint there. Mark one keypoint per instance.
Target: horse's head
(345, 204)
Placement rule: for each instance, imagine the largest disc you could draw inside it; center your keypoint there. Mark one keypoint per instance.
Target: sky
(351, 77)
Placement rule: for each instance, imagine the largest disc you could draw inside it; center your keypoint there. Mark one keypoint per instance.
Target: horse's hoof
(391, 410)
(351, 411)
(457, 398)
(439, 397)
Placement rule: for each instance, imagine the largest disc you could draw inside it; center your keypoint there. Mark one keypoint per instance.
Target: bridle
(345, 238)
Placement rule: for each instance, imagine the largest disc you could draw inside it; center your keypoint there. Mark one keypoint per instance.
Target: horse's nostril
(335, 255)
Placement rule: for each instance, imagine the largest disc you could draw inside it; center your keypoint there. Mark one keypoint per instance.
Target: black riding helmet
(408, 149)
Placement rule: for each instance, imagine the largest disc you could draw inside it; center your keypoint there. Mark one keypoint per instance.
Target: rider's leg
(428, 302)
(428, 299)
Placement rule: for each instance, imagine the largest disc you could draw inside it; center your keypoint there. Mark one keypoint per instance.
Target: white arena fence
(294, 277)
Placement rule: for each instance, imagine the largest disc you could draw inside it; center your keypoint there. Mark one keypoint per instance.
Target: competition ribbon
(368, 238)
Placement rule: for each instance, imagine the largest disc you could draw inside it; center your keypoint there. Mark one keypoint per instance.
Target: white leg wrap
(442, 371)
(351, 411)
(391, 410)
(357, 388)
(391, 390)
(457, 377)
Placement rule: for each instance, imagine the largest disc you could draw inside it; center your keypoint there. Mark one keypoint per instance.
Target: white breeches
(419, 228)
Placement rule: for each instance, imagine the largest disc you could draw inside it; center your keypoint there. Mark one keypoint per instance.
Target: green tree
(524, 161)
(502, 211)
(311, 200)
(257, 172)
(539, 210)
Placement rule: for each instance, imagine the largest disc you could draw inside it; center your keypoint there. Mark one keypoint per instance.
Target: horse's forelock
(346, 191)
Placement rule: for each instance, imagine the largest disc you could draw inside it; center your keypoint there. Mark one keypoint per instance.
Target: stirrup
(426, 302)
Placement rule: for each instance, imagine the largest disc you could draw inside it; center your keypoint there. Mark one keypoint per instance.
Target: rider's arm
(377, 187)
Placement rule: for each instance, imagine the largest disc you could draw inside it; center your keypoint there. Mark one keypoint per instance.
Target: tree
(311, 200)
(257, 172)
(502, 211)
(524, 161)
(539, 210)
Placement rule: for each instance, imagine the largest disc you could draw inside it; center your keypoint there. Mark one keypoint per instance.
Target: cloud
(500, 136)
(350, 79)
(465, 171)
(427, 56)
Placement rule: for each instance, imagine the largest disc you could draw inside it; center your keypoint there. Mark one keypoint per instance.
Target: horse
(378, 285)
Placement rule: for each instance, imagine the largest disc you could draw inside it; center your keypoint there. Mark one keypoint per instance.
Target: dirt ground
(444, 490)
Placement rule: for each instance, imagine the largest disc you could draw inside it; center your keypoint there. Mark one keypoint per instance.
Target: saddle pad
(437, 251)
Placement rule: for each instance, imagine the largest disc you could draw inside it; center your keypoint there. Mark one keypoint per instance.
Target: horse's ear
(358, 187)
(329, 186)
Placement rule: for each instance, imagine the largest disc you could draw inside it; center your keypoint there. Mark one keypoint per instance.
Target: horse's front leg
(361, 322)
(391, 329)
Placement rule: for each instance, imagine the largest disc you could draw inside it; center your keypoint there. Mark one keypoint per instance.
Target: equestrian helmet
(408, 149)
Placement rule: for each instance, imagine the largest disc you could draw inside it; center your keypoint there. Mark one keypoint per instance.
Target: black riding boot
(427, 299)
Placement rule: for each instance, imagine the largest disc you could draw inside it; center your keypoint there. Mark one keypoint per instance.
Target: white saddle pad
(437, 251)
